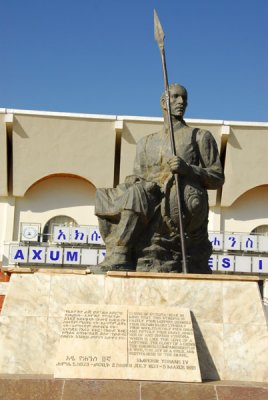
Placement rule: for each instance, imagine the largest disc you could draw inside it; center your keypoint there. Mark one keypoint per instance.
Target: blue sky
(100, 56)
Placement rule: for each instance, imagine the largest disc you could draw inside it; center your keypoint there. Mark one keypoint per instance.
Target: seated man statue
(138, 219)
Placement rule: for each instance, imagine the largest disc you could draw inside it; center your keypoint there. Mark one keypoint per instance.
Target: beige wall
(3, 157)
(246, 161)
(248, 212)
(45, 145)
(72, 197)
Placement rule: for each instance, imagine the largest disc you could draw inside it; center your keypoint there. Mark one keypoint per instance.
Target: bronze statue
(139, 219)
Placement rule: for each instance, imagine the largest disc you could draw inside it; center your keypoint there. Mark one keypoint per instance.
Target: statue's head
(178, 101)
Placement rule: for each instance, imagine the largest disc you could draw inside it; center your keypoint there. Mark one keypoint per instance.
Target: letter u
(52, 257)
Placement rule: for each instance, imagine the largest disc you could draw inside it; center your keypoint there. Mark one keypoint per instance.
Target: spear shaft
(159, 37)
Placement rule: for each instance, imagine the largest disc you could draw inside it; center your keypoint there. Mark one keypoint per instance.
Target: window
(62, 220)
(261, 230)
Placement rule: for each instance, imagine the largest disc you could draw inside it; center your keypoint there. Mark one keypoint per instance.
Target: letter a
(19, 255)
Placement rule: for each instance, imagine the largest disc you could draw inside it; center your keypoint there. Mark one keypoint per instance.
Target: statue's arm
(210, 172)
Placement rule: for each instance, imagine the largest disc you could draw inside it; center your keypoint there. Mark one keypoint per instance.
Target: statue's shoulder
(149, 139)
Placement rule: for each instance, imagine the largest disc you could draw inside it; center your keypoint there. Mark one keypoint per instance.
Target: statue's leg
(123, 237)
(106, 227)
(127, 228)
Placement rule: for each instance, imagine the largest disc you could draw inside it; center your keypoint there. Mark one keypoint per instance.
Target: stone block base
(227, 313)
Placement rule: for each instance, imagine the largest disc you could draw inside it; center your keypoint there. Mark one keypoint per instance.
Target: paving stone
(30, 389)
(168, 391)
(242, 393)
(101, 390)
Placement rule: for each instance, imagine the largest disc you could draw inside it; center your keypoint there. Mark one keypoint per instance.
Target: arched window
(62, 220)
(261, 230)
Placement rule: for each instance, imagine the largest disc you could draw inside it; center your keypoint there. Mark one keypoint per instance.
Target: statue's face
(178, 101)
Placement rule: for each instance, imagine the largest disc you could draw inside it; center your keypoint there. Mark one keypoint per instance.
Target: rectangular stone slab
(127, 342)
(228, 317)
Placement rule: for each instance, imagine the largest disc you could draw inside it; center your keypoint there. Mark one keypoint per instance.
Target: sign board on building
(239, 242)
(78, 234)
(51, 255)
(29, 232)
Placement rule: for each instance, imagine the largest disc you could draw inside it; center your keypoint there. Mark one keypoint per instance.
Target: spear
(159, 37)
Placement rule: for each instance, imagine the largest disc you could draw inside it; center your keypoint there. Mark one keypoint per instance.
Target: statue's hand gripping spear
(159, 37)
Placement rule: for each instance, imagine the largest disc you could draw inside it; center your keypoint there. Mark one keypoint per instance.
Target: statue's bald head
(176, 91)
(181, 88)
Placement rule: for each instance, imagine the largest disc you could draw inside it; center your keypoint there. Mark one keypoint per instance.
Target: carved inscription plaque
(127, 342)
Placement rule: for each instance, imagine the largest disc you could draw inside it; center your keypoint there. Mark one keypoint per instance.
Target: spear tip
(158, 31)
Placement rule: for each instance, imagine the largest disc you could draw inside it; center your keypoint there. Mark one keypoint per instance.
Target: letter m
(72, 256)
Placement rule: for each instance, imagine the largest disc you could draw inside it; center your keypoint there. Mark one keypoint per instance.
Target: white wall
(3, 218)
(7, 209)
(214, 219)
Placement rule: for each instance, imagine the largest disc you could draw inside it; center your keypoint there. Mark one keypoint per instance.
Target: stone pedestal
(227, 313)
